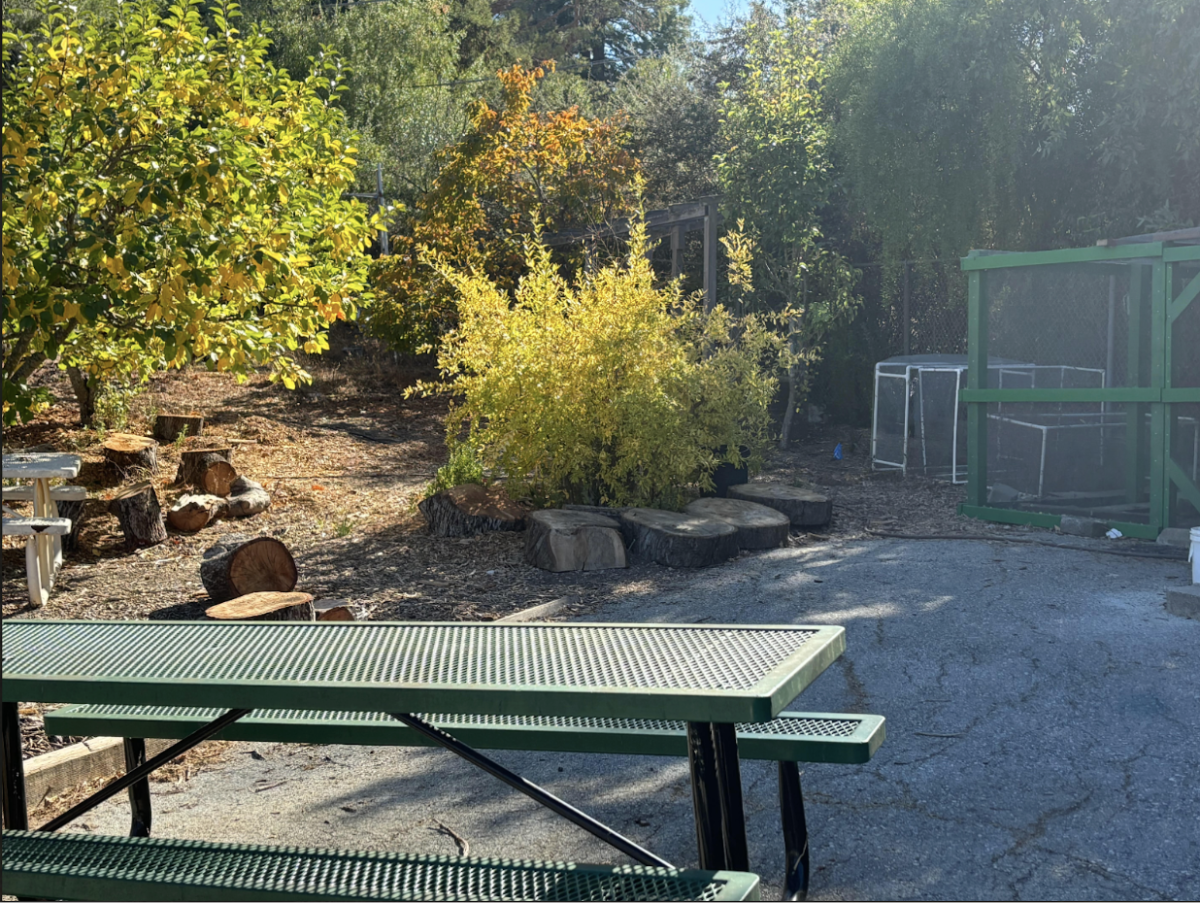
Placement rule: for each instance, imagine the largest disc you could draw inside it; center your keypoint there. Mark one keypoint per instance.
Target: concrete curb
(60, 770)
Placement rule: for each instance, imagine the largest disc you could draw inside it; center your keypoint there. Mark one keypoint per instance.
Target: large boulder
(678, 540)
(573, 541)
(803, 507)
(758, 527)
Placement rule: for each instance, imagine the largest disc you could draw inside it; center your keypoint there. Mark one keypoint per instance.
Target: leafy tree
(1020, 124)
(405, 94)
(515, 167)
(673, 109)
(603, 37)
(602, 389)
(777, 179)
(169, 196)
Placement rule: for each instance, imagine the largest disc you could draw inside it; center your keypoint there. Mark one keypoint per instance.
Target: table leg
(139, 791)
(16, 814)
(43, 554)
(795, 832)
(717, 796)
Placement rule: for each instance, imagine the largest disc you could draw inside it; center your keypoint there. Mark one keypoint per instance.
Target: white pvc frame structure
(1010, 368)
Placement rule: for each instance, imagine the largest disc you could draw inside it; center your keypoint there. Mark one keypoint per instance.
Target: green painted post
(1159, 289)
(977, 357)
(1133, 371)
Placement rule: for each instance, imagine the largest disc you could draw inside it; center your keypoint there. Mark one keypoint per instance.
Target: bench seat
(792, 737)
(58, 493)
(98, 867)
(37, 526)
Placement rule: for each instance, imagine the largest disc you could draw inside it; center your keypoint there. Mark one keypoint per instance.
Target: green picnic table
(710, 676)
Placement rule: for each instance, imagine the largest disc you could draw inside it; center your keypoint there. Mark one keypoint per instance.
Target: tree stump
(758, 527)
(469, 509)
(141, 517)
(131, 454)
(803, 507)
(193, 460)
(265, 607)
(678, 540)
(234, 567)
(333, 610)
(73, 509)
(573, 541)
(169, 427)
(246, 498)
(216, 475)
(194, 512)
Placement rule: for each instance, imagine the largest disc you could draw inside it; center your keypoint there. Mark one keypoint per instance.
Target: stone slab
(1184, 602)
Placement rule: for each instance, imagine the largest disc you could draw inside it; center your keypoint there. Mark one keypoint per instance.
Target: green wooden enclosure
(1099, 413)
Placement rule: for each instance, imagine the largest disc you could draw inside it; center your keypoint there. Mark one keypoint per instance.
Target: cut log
(265, 607)
(678, 540)
(333, 610)
(469, 509)
(758, 527)
(72, 509)
(194, 458)
(216, 476)
(573, 541)
(141, 517)
(803, 507)
(194, 512)
(246, 498)
(234, 567)
(131, 454)
(169, 427)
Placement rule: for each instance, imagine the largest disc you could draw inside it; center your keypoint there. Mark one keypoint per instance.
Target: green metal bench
(91, 867)
(792, 737)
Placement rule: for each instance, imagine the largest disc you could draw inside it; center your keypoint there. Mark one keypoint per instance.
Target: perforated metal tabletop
(710, 673)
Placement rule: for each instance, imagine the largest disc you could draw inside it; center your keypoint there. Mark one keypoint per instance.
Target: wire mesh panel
(890, 423)
(1072, 322)
(1048, 460)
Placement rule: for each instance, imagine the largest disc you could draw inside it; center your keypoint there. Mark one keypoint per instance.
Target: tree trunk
(678, 540)
(194, 512)
(573, 541)
(217, 476)
(193, 461)
(87, 391)
(265, 606)
(234, 567)
(246, 498)
(131, 454)
(333, 610)
(469, 509)
(141, 517)
(169, 427)
(72, 509)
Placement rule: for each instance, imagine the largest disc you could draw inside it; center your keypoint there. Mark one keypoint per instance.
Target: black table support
(534, 792)
(143, 771)
(717, 796)
(139, 791)
(16, 815)
(795, 832)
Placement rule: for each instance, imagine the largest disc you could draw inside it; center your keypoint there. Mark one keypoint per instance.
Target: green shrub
(606, 389)
(463, 467)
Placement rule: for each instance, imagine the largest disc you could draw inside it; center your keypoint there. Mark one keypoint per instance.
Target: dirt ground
(345, 461)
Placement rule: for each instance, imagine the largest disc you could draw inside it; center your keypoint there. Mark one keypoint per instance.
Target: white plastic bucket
(1194, 555)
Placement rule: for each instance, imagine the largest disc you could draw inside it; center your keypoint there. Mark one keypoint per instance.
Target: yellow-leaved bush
(606, 389)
